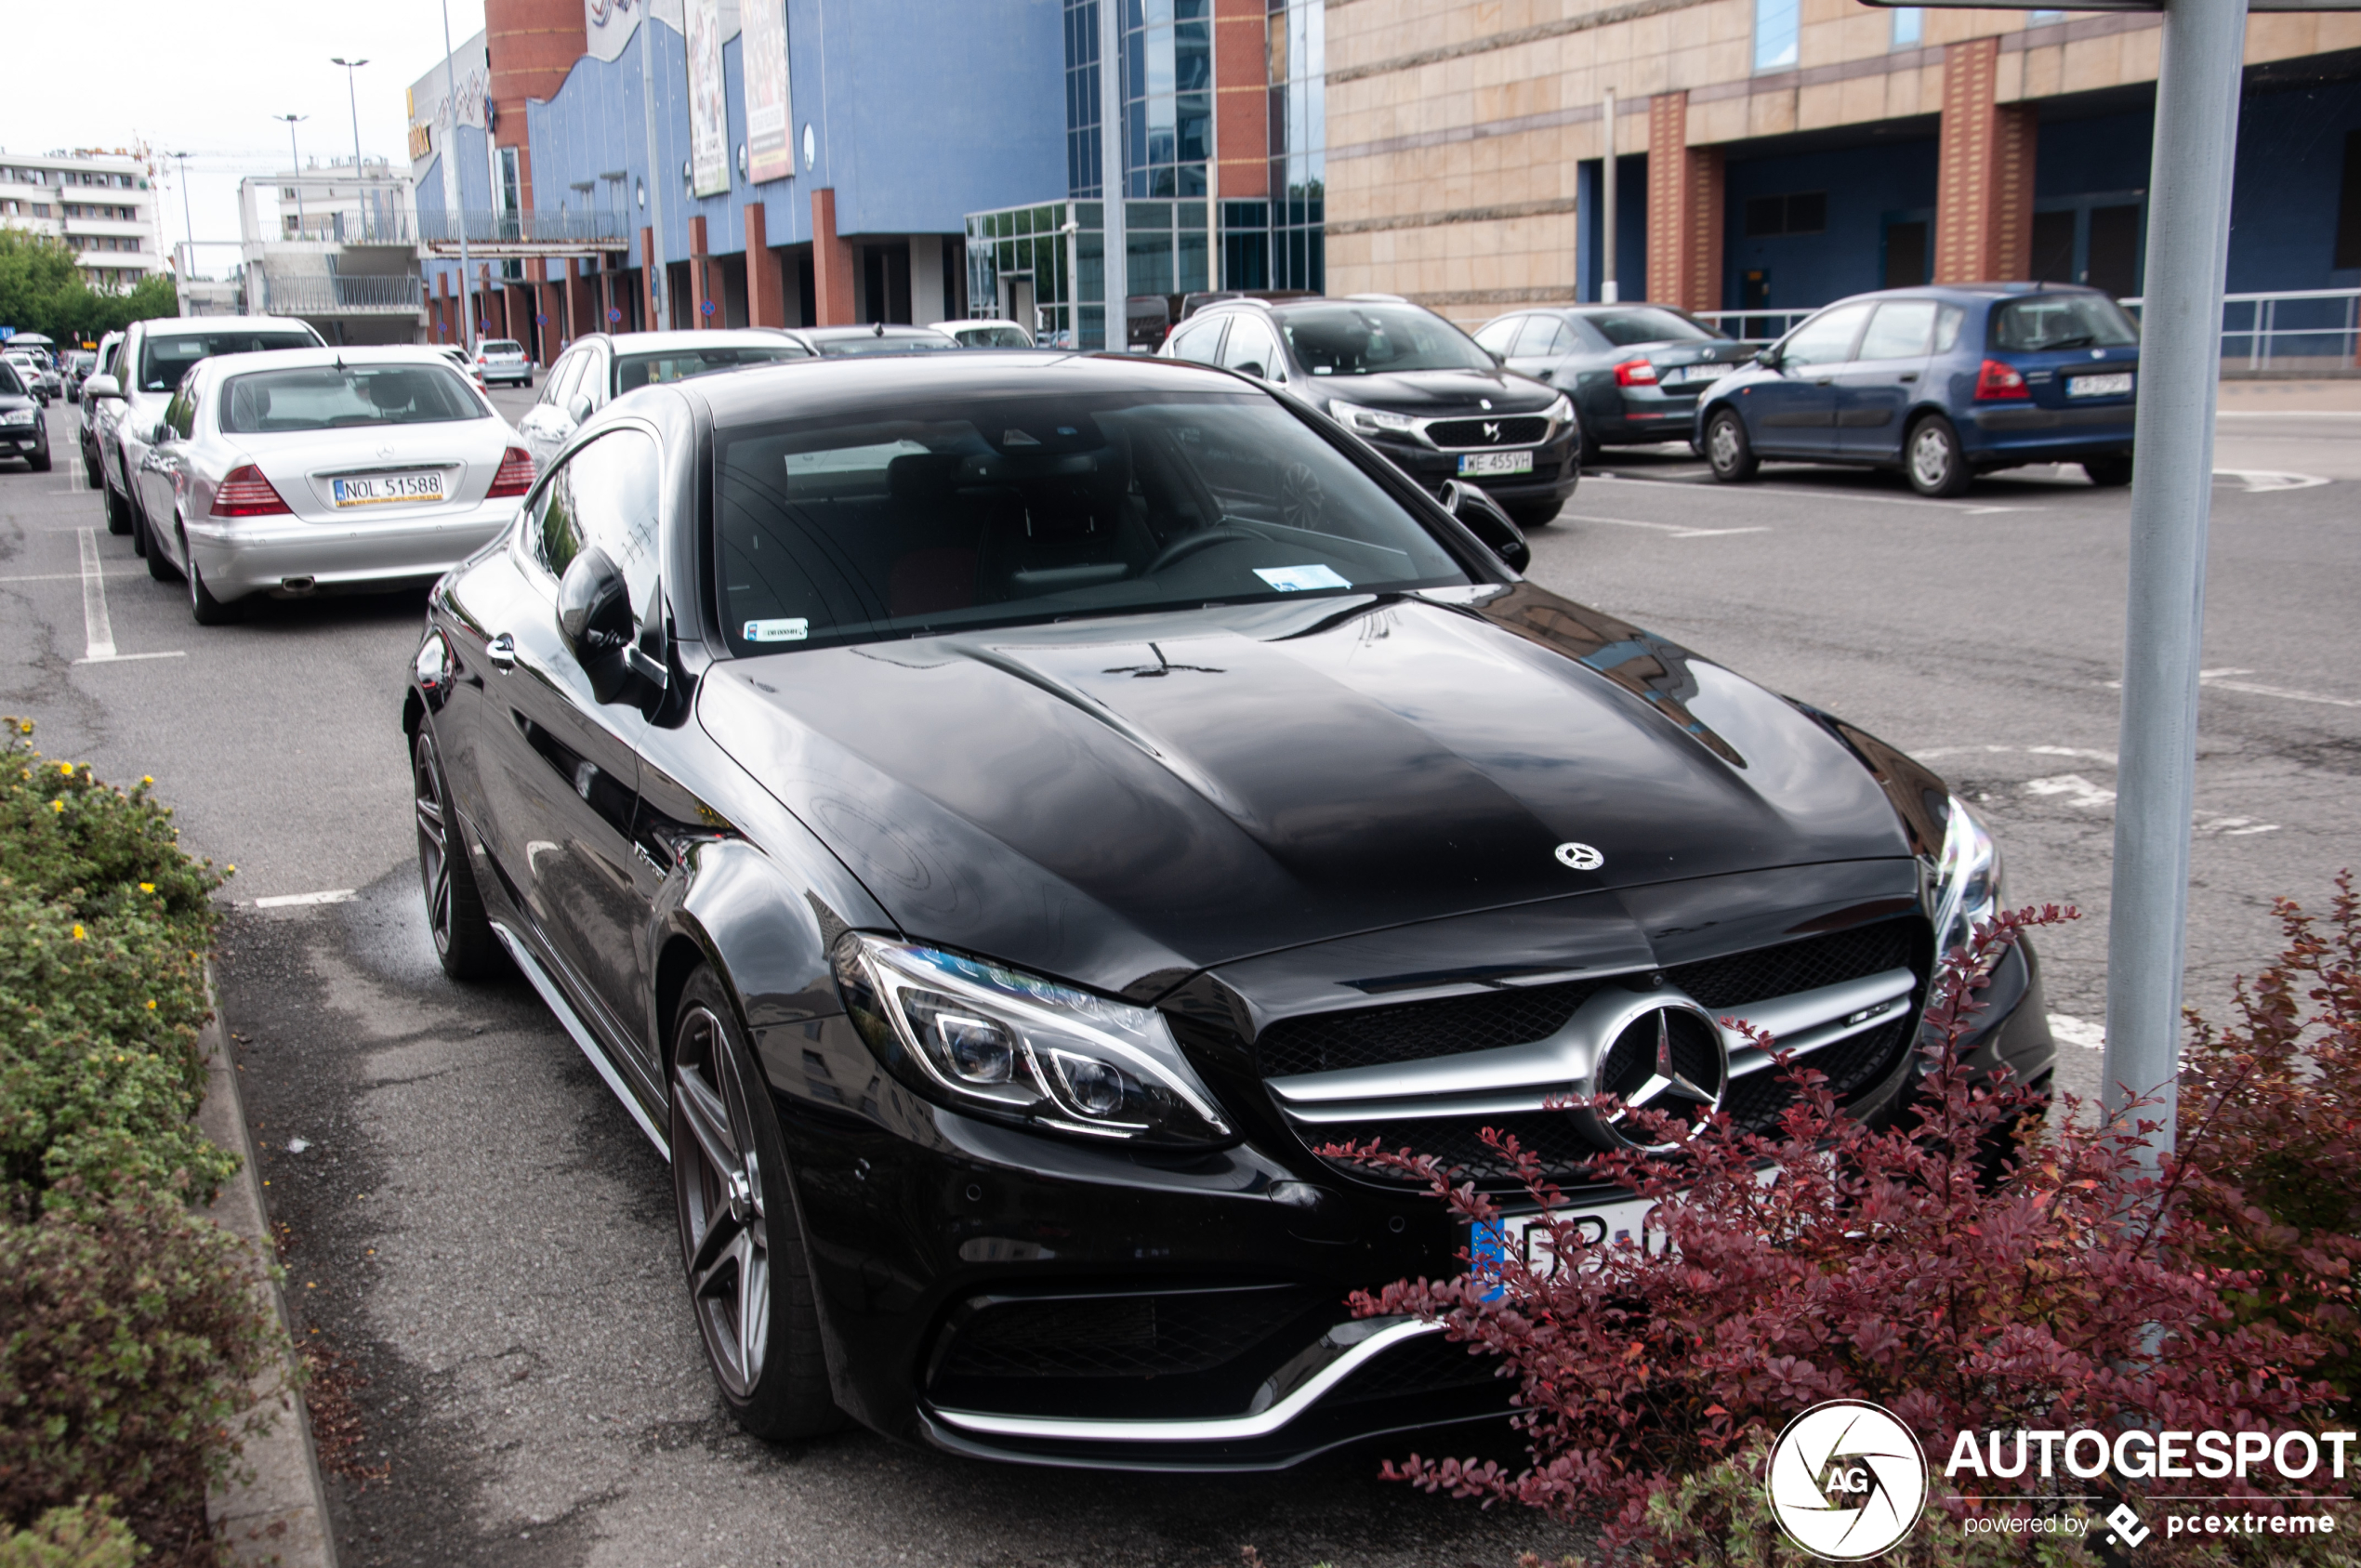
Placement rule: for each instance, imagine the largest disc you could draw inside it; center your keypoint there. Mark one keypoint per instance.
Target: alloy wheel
(1931, 457)
(434, 842)
(717, 1178)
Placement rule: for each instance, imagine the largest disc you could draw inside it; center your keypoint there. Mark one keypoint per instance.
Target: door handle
(501, 652)
(1546, 375)
(1912, 376)
(1821, 380)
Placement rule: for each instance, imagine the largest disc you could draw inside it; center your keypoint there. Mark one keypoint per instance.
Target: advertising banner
(762, 53)
(709, 104)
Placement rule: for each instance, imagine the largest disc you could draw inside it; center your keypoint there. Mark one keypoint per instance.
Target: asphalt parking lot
(482, 1242)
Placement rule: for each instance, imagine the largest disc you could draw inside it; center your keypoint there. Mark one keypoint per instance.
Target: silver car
(503, 358)
(314, 470)
(149, 363)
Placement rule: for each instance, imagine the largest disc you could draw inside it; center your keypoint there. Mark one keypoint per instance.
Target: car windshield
(9, 382)
(2041, 322)
(991, 337)
(83, 362)
(338, 397)
(1649, 324)
(847, 347)
(499, 346)
(166, 359)
(999, 511)
(634, 371)
(1348, 338)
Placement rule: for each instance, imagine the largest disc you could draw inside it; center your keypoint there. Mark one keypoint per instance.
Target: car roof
(759, 393)
(887, 329)
(300, 358)
(968, 320)
(645, 342)
(187, 326)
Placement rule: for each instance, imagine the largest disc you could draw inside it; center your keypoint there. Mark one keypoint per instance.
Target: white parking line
(2258, 480)
(2220, 680)
(288, 901)
(67, 577)
(1782, 491)
(2072, 1031)
(96, 627)
(1676, 530)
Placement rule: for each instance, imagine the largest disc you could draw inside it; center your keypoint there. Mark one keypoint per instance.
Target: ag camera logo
(1846, 1481)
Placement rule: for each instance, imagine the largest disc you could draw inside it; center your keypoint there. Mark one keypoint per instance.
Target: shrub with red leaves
(1836, 1260)
(2271, 1123)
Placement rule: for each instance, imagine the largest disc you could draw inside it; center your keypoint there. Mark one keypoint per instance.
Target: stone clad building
(1776, 155)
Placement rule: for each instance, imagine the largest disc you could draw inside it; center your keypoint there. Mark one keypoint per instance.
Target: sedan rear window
(339, 397)
(2042, 322)
(1622, 329)
(499, 346)
(1003, 511)
(992, 337)
(635, 371)
(914, 343)
(166, 359)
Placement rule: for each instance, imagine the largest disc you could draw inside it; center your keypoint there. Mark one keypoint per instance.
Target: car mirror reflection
(1482, 516)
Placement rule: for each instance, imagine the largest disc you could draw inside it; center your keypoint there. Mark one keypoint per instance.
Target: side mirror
(578, 407)
(594, 607)
(1498, 357)
(1482, 516)
(1253, 368)
(102, 387)
(1767, 358)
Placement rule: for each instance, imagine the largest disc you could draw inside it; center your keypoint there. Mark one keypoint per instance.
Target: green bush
(104, 925)
(86, 1536)
(135, 1353)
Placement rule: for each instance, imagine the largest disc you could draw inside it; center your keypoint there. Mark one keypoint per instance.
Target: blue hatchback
(1943, 383)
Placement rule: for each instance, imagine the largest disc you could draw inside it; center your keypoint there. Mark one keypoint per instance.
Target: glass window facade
(1910, 27)
(1043, 266)
(1083, 175)
(1167, 95)
(1776, 23)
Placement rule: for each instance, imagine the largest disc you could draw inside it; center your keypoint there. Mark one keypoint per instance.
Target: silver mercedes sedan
(308, 470)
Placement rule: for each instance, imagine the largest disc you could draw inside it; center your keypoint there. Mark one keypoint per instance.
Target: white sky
(206, 79)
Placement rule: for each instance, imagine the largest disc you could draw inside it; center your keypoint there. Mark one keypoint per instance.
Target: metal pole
(466, 273)
(296, 154)
(353, 93)
(1606, 208)
(1111, 180)
(655, 273)
(2196, 134)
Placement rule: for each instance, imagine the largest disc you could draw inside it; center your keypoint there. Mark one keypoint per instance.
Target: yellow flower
(151, 1005)
(66, 768)
(77, 931)
(57, 806)
(147, 778)
(24, 726)
(147, 887)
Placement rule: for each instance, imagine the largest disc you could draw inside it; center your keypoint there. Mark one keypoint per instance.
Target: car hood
(1122, 802)
(1430, 392)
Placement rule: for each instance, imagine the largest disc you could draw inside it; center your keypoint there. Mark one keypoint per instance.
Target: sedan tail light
(1635, 373)
(516, 473)
(244, 492)
(1994, 379)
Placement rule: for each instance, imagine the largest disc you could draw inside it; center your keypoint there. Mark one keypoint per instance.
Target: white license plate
(1523, 1236)
(2119, 386)
(1695, 373)
(1497, 463)
(378, 489)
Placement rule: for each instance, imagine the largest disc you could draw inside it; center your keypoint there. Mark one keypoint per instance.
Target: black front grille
(1117, 1335)
(1524, 429)
(1564, 1154)
(1424, 1366)
(1758, 1100)
(1766, 973)
(1414, 1030)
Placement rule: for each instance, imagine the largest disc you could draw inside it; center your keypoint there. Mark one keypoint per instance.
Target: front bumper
(1555, 469)
(242, 558)
(24, 441)
(1016, 1297)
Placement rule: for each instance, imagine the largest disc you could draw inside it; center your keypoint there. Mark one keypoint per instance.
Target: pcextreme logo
(1846, 1480)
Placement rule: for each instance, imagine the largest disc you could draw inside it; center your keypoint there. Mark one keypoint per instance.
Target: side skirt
(531, 968)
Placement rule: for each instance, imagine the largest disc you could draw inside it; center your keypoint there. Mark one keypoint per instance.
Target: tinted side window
(614, 483)
(1827, 338)
(1900, 330)
(1947, 328)
(1200, 341)
(1253, 349)
(1498, 335)
(1539, 333)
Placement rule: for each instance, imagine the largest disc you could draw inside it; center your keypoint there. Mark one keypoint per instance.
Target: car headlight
(1558, 412)
(1019, 1048)
(1372, 421)
(20, 416)
(1967, 880)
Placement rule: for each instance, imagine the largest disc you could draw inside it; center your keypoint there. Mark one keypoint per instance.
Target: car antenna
(878, 331)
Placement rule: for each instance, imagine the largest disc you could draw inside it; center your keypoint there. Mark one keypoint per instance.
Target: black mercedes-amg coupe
(992, 818)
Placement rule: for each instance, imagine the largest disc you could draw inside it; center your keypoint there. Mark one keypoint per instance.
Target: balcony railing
(564, 228)
(337, 296)
(364, 228)
(1755, 323)
(2295, 330)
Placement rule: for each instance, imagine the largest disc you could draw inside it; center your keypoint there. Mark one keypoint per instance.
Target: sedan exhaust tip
(296, 585)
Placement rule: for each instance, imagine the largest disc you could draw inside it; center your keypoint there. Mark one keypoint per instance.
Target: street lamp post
(187, 232)
(450, 102)
(292, 120)
(353, 93)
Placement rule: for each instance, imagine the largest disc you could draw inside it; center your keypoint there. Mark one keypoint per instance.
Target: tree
(42, 290)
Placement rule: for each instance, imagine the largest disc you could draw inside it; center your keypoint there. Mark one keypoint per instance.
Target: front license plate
(378, 489)
(2119, 386)
(1497, 463)
(1523, 1236)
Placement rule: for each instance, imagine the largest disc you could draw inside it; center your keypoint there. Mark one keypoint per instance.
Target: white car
(503, 358)
(460, 361)
(311, 470)
(150, 362)
(993, 331)
(604, 366)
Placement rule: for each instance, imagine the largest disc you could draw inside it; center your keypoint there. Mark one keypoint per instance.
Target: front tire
(741, 1237)
(40, 461)
(1727, 451)
(1932, 459)
(462, 939)
(1535, 514)
(2108, 473)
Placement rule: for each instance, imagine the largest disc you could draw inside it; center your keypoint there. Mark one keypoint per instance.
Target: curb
(280, 1514)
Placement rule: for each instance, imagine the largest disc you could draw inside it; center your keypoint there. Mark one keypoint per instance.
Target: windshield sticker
(1295, 579)
(786, 629)
(1017, 438)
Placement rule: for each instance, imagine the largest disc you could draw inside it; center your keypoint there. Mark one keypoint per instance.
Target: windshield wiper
(2081, 340)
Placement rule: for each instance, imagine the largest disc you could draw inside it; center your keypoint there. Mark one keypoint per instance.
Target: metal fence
(328, 295)
(2298, 329)
(1755, 323)
(490, 228)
